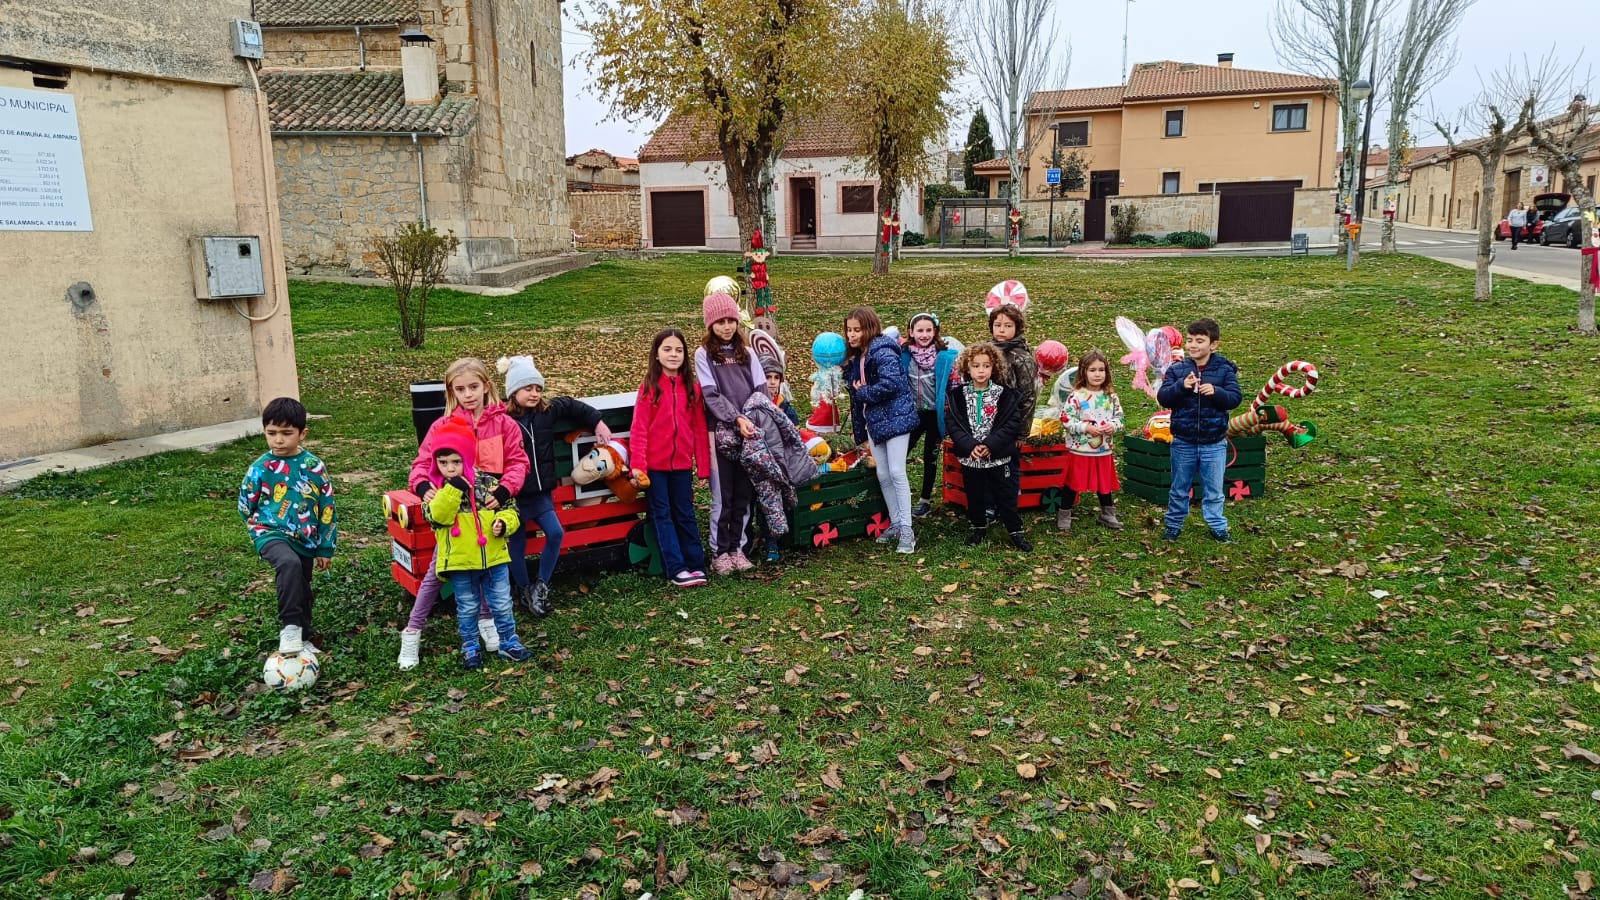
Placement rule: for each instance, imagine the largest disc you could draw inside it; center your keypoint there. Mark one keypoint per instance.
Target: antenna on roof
(1127, 7)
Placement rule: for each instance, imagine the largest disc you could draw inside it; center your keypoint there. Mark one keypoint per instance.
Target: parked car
(1545, 205)
(1565, 227)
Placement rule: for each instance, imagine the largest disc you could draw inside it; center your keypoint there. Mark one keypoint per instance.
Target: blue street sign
(1052, 176)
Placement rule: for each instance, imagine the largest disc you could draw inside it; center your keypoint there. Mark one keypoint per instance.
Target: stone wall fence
(1162, 214)
(1036, 215)
(606, 220)
(1314, 216)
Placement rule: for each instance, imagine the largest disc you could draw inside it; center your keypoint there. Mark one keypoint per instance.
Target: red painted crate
(1044, 468)
(599, 531)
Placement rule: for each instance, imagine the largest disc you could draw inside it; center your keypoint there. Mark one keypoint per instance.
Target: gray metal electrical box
(247, 41)
(227, 266)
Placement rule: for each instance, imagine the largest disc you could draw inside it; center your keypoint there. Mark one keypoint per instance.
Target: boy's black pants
(293, 573)
(991, 489)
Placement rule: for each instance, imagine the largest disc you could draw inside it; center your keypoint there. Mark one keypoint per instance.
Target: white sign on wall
(1540, 176)
(42, 187)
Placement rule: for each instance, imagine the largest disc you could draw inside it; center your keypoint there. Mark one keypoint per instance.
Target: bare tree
(1333, 39)
(1512, 100)
(1424, 54)
(1013, 45)
(1562, 142)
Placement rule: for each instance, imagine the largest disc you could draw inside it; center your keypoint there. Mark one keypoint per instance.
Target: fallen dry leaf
(1027, 770)
(1573, 751)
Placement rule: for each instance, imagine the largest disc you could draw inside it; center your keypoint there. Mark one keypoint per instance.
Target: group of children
(487, 467)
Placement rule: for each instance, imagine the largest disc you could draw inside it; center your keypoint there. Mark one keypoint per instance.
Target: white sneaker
(289, 640)
(308, 647)
(489, 635)
(410, 644)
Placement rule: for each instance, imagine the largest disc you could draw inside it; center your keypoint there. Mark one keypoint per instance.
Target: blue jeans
(671, 497)
(1209, 461)
(493, 585)
(540, 508)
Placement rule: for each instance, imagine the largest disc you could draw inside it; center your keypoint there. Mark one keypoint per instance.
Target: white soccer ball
(290, 671)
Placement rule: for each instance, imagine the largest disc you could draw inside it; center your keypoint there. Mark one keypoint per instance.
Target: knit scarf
(924, 356)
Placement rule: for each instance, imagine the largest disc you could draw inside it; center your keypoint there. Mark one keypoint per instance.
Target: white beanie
(520, 372)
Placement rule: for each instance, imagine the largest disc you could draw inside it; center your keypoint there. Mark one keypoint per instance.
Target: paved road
(1554, 262)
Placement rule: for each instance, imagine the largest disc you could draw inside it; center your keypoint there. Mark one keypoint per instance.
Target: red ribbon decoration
(824, 535)
(1238, 491)
(1594, 266)
(878, 524)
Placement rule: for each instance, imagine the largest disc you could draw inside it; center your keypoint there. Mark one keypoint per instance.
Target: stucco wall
(179, 39)
(836, 230)
(1229, 139)
(165, 161)
(605, 220)
(1103, 152)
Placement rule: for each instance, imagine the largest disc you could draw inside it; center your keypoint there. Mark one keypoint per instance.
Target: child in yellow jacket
(470, 537)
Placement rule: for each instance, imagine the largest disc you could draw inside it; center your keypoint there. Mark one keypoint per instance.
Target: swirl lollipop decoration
(1263, 417)
(1005, 292)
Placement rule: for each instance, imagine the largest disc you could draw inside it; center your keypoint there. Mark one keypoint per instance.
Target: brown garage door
(1256, 210)
(678, 218)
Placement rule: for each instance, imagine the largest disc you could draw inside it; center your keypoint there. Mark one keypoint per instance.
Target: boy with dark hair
(286, 501)
(1200, 390)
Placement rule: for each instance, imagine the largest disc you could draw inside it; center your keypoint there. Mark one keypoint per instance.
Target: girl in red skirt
(1089, 418)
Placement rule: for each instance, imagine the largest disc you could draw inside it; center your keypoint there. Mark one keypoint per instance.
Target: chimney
(1225, 60)
(419, 67)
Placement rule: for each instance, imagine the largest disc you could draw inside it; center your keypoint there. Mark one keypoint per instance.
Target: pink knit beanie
(719, 306)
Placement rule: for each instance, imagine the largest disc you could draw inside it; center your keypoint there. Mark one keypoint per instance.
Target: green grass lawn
(1385, 687)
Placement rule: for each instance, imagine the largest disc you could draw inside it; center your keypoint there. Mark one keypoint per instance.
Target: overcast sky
(1188, 31)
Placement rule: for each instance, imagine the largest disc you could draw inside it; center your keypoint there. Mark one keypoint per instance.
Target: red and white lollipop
(1011, 292)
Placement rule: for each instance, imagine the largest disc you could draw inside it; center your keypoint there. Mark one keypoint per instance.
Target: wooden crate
(849, 504)
(605, 533)
(1044, 468)
(1147, 468)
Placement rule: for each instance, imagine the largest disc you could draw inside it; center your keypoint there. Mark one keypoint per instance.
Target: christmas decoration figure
(760, 289)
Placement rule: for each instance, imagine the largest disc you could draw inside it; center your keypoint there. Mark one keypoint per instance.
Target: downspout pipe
(422, 184)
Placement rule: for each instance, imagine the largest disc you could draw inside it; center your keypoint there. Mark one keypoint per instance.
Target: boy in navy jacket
(1201, 391)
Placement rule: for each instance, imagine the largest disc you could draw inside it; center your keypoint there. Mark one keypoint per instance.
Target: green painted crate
(849, 504)
(1147, 468)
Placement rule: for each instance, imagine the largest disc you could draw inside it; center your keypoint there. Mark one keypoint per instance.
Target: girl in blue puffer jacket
(882, 412)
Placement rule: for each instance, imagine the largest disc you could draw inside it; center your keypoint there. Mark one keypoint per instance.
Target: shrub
(912, 239)
(976, 233)
(1194, 240)
(1125, 221)
(1143, 240)
(413, 259)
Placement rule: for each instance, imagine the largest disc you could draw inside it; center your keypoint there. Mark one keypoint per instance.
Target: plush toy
(816, 446)
(760, 287)
(827, 383)
(608, 462)
(1159, 427)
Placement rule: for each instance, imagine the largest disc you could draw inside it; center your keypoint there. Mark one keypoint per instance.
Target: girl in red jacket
(501, 464)
(668, 443)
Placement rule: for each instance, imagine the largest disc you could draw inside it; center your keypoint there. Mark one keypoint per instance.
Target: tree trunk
(881, 254)
(744, 183)
(1482, 284)
(1389, 179)
(1585, 300)
(1014, 242)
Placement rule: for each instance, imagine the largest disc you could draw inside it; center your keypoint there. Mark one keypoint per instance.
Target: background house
(463, 131)
(824, 200)
(1444, 187)
(603, 197)
(1242, 154)
(105, 333)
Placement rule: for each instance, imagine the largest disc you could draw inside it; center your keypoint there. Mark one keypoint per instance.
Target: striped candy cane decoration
(1277, 385)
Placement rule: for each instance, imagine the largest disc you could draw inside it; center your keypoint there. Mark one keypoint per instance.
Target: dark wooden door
(1101, 186)
(805, 207)
(1255, 210)
(678, 218)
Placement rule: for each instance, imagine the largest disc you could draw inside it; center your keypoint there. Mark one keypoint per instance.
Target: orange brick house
(1260, 144)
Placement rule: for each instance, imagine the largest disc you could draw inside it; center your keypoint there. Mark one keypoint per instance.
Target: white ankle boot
(410, 645)
(289, 640)
(489, 635)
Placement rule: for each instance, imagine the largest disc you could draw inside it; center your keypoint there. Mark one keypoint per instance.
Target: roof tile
(1168, 79)
(314, 13)
(678, 138)
(359, 102)
(1077, 98)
